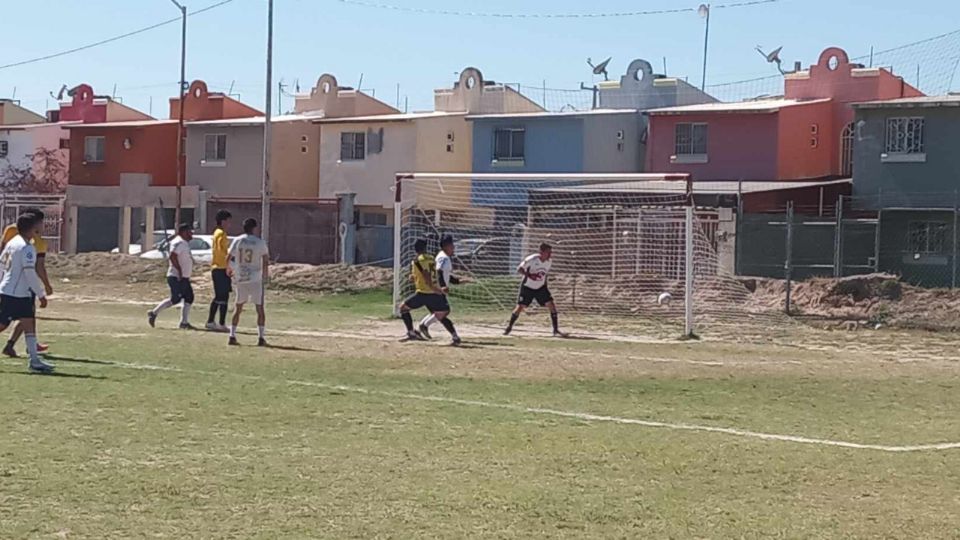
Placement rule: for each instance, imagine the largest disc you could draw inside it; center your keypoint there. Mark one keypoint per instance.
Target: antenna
(59, 95)
(773, 57)
(114, 94)
(360, 84)
(601, 68)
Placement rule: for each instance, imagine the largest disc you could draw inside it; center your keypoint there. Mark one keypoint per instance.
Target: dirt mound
(104, 265)
(872, 298)
(330, 277)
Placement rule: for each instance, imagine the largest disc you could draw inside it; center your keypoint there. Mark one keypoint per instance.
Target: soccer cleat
(425, 332)
(262, 343)
(212, 327)
(413, 335)
(233, 341)
(186, 326)
(456, 341)
(8, 350)
(507, 330)
(557, 333)
(39, 366)
(152, 319)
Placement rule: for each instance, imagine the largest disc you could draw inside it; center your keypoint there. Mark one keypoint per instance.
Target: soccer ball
(664, 299)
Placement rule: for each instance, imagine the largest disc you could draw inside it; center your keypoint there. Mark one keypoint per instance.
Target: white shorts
(250, 293)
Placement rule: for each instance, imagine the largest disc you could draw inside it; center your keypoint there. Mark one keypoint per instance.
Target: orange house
(122, 172)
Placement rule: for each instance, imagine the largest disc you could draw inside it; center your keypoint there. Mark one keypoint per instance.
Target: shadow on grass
(79, 360)
(58, 374)
(58, 319)
(292, 348)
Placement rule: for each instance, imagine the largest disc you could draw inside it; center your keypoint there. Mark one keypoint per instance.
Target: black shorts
(222, 285)
(431, 301)
(180, 289)
(528, 295)
(14, 308)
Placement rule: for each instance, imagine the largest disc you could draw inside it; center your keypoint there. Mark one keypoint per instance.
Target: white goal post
(620, 241)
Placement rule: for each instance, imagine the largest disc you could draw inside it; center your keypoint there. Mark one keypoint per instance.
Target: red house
(124, 167)
(806, 134)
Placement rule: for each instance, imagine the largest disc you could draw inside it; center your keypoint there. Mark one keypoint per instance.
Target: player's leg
(228, 288)
(545, 299)
(29, 324)
(261, 325)
(8, 349)
(425, 323)
(413, 302)
(235, 322)
(174, 299)
(441, 309)
(186, 291)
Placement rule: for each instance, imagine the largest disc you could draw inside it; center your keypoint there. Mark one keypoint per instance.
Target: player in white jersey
(19, 285)
(445, 278)
(534, 270)
(178, 278)
(250, 267)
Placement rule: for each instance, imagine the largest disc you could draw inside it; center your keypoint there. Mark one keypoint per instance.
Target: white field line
(567, 414)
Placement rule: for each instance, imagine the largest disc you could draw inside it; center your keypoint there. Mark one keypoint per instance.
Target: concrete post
(347, 228)
(71, 230)
(149, 217)
(201, 211)
(125, 224)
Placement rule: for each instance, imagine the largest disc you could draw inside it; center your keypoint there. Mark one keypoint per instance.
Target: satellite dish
(601, 68)
(59, 95)
(773, 57)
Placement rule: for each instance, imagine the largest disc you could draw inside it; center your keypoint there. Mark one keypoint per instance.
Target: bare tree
(44, 172)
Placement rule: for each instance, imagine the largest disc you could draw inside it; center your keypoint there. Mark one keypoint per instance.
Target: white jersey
(246, 258)
(181, 248)
(444, 267)
(536, 271)
(19, 264)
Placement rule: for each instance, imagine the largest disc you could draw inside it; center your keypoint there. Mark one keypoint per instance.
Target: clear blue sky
(422, 52)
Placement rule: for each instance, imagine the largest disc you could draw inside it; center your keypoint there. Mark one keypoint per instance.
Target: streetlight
(704, 12)
(265, 188)
(180, 95)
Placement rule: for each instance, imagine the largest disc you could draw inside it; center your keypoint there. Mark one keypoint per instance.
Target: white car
(159, 238)
(201, 247)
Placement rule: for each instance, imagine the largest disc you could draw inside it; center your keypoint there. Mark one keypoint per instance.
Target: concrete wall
(929, 184)
(337, 102)
(639, 88)
(808, 142)
(604, 152)
(240, 175)
(153, 152)
(371, 178)
(201, 104)
(12, 114)
(474, 95)
(551, 144)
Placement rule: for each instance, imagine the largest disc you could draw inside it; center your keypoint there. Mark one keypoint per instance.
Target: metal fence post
(788, 259)
(953, 273)
(739, 229)
(838, 241)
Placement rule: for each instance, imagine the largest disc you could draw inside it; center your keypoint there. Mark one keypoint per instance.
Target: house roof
(252, 120)
(949, 100)
(20, 127)
(704, 188)
(548, 114)
(757, 106)
(129, 123)
(402, 117)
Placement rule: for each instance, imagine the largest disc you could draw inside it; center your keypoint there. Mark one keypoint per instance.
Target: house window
(691, 140)
(93, 149)
(904, 141)
(215, 147)
(508, 145)
(353, 146)
(64, 144)
(927, 237)
(846, 150)
(4, 148)
(371, 218)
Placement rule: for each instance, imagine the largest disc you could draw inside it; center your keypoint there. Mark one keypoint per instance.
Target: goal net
(620, 242)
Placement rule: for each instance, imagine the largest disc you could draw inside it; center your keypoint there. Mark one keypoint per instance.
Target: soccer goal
(631, 246)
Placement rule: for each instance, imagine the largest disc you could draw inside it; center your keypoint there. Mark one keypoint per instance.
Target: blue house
(608, 139)
(906, 167)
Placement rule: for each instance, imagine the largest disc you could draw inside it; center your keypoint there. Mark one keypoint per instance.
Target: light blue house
(610, 138)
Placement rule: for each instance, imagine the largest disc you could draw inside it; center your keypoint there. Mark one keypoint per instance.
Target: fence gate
(12, 205)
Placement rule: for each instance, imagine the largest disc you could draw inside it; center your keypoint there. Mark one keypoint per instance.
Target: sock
(162, 306)
(513, 320)
(448, 324)
(223, 314)
(429, 319)
(261, 331)
(213, 311)
(233, 330)
(407, 320)
(185, 313)
(31, 340)
(555, 321)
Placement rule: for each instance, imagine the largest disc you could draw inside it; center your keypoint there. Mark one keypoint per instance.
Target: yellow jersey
(220, 247)
(10, 232)
(424, 264)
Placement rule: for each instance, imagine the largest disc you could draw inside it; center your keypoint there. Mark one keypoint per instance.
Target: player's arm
(266, 267)
(30, 273)
(42, 272)
(232, 257)
(523, 269)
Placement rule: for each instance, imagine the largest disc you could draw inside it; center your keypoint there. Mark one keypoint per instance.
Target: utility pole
(704, 12)
(267, 132)
(181, 95)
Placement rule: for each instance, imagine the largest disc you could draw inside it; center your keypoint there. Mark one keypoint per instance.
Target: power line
(112, 39)
(456, 13)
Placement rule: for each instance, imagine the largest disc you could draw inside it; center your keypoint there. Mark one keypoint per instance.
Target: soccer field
(341, 431)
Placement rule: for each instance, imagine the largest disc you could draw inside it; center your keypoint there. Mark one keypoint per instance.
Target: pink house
(806, 134)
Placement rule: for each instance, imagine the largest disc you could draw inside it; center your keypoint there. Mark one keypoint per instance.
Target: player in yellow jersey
(219, 265)
(40, 245)
(428, 294)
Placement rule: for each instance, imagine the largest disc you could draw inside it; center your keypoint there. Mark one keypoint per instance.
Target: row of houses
(838, 128)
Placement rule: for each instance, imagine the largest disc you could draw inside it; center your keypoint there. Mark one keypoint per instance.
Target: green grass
(222, 443)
